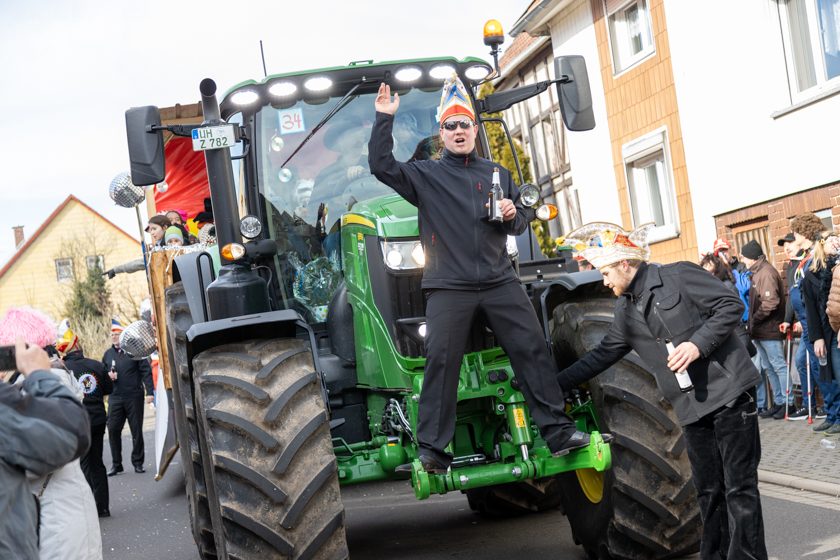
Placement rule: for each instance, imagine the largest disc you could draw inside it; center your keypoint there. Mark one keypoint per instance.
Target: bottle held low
(682, 376)
(494, 207)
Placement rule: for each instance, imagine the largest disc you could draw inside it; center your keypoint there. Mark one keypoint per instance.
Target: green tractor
(296, 346)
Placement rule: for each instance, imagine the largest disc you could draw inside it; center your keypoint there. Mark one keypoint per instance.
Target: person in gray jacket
(42, 427)
(679, 318)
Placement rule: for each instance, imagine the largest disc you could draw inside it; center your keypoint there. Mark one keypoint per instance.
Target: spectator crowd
(791, 320)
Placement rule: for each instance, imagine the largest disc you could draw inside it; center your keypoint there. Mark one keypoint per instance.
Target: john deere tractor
(296, 346)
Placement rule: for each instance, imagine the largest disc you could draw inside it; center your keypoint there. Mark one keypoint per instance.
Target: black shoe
(139, 470)
(430, 465)
(579, 440)
(104, 513)
(834, 430)
(780, 414)
(824, 426)
(771, 412)
(800, 414)
(115, 470)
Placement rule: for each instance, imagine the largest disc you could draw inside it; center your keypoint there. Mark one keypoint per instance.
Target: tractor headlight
(403, 255)
(250, 227)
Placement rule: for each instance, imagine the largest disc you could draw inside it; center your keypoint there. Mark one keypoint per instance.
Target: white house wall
(589, 152)
(730, 77)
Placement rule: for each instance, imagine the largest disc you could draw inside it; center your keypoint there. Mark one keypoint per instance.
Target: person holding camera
(44, 429)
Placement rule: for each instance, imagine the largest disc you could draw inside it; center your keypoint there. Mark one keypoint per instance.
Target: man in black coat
(130, 378)
(95, 382)
(467, 272)
(680, 318)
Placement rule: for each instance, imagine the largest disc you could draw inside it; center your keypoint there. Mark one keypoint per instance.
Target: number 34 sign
(291, 121)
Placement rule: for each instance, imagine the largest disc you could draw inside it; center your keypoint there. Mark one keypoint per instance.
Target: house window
(631, 38)
(825, 217)
(811, 36)
(64, 270)
(95, 261)
(651, 190)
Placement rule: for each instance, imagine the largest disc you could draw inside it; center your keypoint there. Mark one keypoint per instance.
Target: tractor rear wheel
(271, 462)
(644, 506)
(178, 321)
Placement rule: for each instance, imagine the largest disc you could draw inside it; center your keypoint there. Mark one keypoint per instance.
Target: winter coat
(678, 302)
(833, 306)
(42, 427)
(767, 302)
(132, 375)
(69, 528)
(463, 249)
(815, 288)
(95, 384)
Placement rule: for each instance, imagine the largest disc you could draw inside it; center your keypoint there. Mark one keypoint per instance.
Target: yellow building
(69, 243)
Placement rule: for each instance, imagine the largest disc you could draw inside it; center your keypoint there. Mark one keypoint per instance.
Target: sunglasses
(452, 125)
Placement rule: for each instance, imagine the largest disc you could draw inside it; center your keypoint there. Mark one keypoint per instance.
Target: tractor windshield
(306, 197)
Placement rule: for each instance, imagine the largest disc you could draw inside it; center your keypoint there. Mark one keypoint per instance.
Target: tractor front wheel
(272, 469)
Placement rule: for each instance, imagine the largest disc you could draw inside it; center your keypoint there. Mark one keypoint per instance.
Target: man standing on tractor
(467, 272)
(681, 320)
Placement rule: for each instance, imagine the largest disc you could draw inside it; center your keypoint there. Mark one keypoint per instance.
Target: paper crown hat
(603, 243)
(454, 100)
(67, 339)
(116, 326)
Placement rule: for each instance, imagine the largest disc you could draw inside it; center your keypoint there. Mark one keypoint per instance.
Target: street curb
(786, 480)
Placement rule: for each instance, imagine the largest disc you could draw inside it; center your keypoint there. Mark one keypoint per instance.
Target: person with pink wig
(68, 526)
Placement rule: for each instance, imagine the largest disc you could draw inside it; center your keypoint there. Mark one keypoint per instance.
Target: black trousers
(94, 468)
(509, 313)
(121, 409)
(724, 450)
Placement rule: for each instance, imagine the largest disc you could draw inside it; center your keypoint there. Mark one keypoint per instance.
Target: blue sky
(70, 70)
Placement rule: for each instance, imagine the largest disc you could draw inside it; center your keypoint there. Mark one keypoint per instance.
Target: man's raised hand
(384, 103)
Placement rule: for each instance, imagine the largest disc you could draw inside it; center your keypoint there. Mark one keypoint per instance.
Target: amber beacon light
(494, 36)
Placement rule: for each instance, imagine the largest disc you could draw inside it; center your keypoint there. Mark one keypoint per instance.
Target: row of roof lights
(405, 75)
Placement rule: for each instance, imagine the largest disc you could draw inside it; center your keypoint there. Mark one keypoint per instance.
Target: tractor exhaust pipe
(238, 290)
(219, 173)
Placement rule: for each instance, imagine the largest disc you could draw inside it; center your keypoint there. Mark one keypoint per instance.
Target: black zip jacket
(463, 249)
(132, 375)
(95, 383)
(815, 286)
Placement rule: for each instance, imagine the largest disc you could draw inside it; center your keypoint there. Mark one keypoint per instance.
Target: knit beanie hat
(752, 250)
(30, 324)
(173, 232)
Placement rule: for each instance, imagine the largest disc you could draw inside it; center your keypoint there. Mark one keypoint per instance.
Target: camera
(7, 358)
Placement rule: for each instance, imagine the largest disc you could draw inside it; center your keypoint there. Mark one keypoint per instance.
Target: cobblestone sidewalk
(792, 448)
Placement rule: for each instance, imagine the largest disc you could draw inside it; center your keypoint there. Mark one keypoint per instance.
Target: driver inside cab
(348, 138)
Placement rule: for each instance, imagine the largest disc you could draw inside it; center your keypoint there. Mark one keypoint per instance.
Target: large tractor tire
(645, 506)
(272, 468)
(515, 499)
(178, 322)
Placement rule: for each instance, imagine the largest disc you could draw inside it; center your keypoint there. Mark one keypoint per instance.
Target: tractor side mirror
(573, 92)
(145, 145)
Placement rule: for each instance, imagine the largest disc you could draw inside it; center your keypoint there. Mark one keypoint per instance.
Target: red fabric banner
(186, 175)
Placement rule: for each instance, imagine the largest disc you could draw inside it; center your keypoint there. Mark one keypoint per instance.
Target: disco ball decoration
(124, 192)
(138, 340)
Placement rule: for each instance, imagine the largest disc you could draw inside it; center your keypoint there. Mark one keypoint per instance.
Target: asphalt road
(384, 521)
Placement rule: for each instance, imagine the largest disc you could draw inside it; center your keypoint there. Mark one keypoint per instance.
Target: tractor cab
(306, 160)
